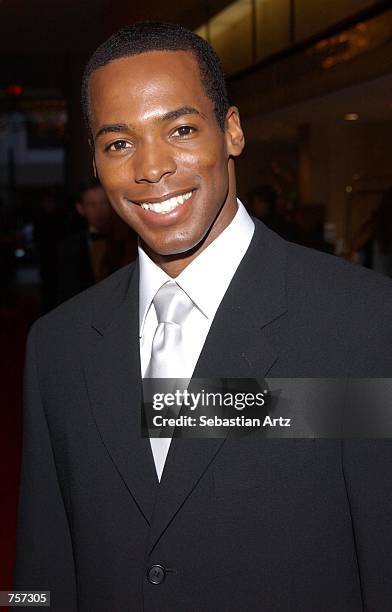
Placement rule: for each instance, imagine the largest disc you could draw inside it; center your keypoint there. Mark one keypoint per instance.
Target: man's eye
(184, 130)
(119, 145)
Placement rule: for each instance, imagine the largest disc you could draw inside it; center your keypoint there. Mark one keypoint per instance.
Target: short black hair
(159, 36)
(85, 186)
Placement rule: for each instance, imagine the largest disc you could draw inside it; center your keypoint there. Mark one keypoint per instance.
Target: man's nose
(152, 162)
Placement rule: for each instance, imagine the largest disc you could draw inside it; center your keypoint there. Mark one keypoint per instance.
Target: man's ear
(235, 140)
(91, 144)
(79, 208)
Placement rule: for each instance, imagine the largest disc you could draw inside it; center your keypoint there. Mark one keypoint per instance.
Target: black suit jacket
(250, 524)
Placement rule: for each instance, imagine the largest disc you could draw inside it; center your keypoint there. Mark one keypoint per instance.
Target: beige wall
(231, 37)
(313, 16)
(273, 26)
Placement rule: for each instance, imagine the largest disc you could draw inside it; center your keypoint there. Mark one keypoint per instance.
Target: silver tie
(168, 353)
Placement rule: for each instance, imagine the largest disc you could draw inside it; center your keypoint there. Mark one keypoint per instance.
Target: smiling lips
(167, 205)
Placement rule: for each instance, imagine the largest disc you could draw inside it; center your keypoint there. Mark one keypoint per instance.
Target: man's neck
(173, 265)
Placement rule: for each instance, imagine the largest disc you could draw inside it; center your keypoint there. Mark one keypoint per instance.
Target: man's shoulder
(314, 275)
(322, 274)
(79, 310)
(341, 308)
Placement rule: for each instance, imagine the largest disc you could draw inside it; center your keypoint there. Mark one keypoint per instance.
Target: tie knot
(172, 304)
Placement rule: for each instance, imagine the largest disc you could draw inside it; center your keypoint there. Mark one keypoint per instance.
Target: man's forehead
(150, 64)
(152, 84)
(158, 73)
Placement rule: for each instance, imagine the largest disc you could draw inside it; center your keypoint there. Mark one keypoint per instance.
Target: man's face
(95, 207)
(159, 153)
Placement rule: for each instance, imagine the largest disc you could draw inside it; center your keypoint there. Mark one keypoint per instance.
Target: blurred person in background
(95, 247)
(382, 241)
(94, 206)
(262, 204)
(372, 245)
(310, 228)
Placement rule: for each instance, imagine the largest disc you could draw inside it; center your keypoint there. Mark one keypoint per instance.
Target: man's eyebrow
(179, 112)
(115, 127)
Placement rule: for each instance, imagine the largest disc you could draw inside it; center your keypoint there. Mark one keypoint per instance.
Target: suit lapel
(114, 382)
(243, 342)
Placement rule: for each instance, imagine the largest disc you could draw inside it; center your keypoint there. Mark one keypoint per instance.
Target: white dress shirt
(205, 280)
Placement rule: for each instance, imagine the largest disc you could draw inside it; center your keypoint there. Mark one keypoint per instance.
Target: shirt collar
(207, 277)
(152, 277)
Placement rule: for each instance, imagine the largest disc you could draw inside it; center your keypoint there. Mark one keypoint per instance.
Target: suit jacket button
(156, 574)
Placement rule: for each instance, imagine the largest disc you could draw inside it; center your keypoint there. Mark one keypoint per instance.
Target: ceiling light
(351, 116)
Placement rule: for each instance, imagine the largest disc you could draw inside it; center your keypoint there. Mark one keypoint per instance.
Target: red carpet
(14, 324)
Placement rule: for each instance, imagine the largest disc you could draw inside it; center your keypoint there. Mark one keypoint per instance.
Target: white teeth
(167, 205)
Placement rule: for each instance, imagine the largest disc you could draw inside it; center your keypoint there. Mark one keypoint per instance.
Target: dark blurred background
(313, 82)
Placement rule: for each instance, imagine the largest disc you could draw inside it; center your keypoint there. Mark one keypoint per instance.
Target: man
(109, 520)
(262, 203)
(95, 249)
(94, 206)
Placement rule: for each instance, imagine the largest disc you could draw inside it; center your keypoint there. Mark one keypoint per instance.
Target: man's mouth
(167, 205)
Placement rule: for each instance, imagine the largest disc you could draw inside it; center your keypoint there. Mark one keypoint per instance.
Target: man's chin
(180, 248)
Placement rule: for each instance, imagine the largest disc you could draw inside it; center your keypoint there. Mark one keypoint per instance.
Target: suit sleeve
(44, 556)
(368, 474)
